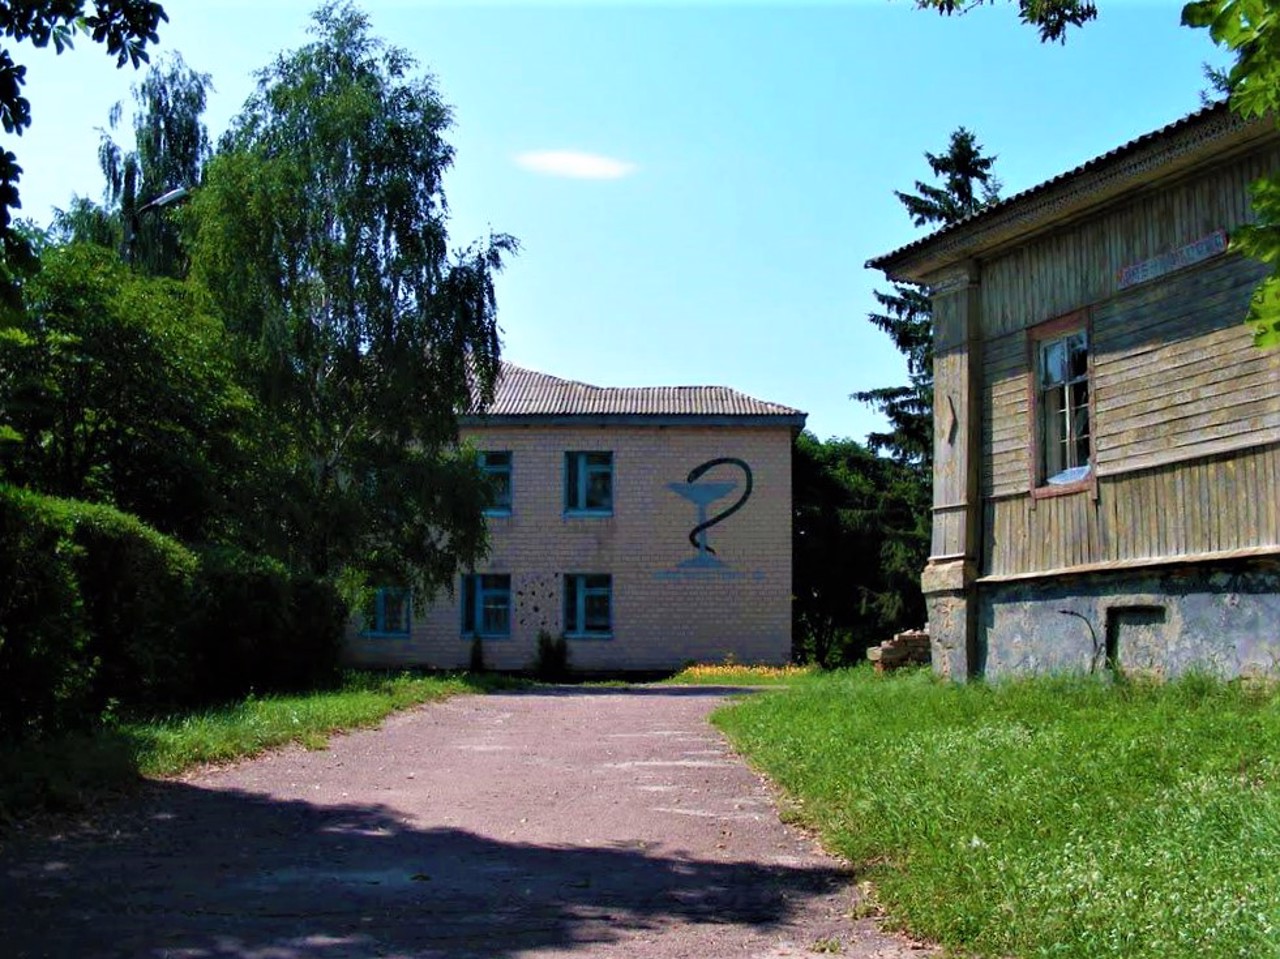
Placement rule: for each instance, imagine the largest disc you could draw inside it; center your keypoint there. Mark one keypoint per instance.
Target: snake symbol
(695, 474)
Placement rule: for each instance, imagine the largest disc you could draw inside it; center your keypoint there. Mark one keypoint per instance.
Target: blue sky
(696, 185)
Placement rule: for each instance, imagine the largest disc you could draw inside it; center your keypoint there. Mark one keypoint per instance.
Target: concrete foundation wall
(1222, 619)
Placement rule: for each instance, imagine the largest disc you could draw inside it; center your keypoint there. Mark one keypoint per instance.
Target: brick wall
(663, 615)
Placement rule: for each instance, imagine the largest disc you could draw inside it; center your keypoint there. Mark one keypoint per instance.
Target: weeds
(551, 662)
(736, 674)
(1048, 817)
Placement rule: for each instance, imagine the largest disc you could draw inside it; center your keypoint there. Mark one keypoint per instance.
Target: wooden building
(1106, 436)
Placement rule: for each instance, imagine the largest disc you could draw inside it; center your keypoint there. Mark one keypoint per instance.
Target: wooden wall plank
(1215, 504)
(1079, 265)
(1186, 412)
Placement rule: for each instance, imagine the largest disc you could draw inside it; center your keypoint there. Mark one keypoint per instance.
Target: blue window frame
(588, 605)
(588, 483)
(392, 613)
(497, 467)
(486, 605)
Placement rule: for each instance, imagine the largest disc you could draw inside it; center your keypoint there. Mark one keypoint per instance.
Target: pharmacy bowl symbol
(702, 495)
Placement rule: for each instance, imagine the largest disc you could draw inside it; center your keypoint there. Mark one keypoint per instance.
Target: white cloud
(574, 164)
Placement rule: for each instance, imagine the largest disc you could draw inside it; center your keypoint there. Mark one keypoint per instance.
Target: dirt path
(573, 822)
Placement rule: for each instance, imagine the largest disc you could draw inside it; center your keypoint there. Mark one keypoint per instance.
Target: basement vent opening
(1135, 636)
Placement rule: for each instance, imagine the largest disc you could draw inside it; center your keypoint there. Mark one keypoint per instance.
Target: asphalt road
(568, 822)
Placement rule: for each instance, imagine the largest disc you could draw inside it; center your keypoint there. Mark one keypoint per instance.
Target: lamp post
(131, 221)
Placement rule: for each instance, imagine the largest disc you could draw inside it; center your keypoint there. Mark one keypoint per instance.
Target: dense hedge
(99, 611)
(257, 627)
(90, 612)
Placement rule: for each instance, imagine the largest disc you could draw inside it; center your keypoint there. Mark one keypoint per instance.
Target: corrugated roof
(522, 392)
(885, 261)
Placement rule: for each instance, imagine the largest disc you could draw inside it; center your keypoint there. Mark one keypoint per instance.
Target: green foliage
(860, 540)
(134, 583)
(1050, 817)
(320, 230)
(258, 627)
(171, 146)
(46, 671)
(1051, 18)
(476, 663)
(309, 442)
(124, 26)
(551, 661)
(101, 613)
(1251, 30)
(967, 184)
(91, 612)
(123, 392)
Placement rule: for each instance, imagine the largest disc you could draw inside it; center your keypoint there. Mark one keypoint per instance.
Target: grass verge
(69, 772)
(1041, 818)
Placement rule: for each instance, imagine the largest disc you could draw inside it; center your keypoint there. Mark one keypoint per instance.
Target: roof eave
(795, 420)
(1208, 136)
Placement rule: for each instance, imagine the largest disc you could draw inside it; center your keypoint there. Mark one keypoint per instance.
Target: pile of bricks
(905, 649)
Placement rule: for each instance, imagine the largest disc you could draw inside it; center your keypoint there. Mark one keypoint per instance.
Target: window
(486, 605)
(390, 615)
(497, 467)
(1062, 404)
(588, 482)
(588, 605)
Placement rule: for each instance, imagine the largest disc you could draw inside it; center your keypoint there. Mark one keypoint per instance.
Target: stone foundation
(1223, 619)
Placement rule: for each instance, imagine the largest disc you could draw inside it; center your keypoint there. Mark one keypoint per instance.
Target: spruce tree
(966, 184)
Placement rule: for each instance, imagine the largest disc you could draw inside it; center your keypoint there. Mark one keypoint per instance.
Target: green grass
(70, 772)
(1041, 818)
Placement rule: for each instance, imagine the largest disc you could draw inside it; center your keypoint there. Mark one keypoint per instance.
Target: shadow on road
(194, 872)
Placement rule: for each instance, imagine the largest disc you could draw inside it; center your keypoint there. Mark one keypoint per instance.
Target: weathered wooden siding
(1006, 423)
(1176, 375)
(956, 445)
(1186, 418)
(1079, 264)
(1210, 505)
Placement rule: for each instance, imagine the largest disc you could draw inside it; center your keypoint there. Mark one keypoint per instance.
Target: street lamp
(168, 198)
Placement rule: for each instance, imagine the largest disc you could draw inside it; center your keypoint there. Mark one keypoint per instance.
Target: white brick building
(650, 526)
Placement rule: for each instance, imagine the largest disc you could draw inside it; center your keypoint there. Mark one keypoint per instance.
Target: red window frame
(1056, 328)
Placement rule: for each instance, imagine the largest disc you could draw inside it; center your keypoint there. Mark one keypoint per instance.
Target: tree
(171, 147)
(321, 232)
(1251, 30)
(891, 522)
(1051, 17)
(124, 26)
(119, 389)
(860, 535)
(966, 185)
